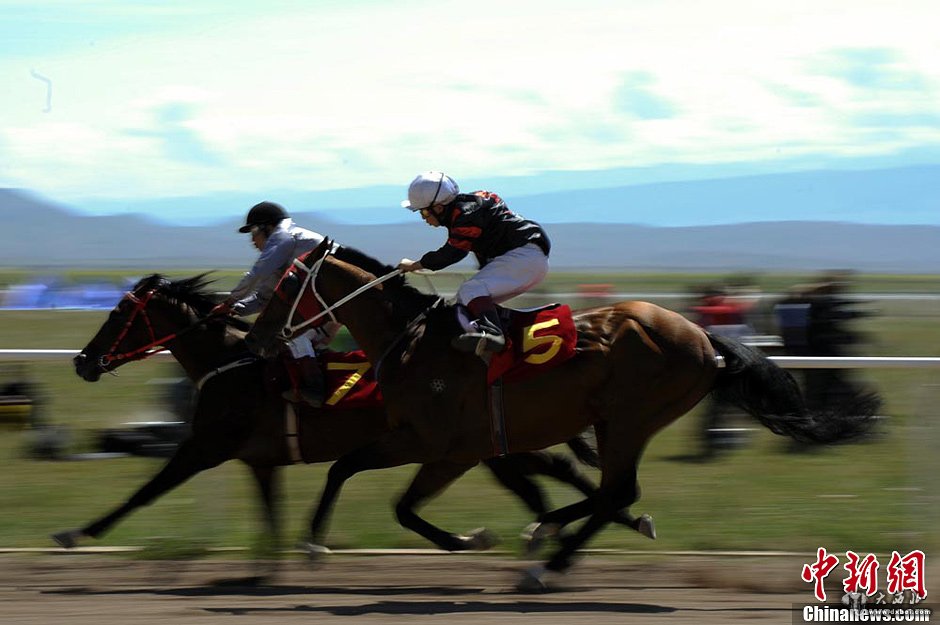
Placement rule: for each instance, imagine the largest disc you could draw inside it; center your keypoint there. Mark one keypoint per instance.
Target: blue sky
(117, 99)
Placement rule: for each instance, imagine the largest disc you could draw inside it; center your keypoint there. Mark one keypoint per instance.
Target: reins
(289, 328)
(411, 324)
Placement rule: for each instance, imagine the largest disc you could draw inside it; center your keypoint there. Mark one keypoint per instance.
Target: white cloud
(356, 94)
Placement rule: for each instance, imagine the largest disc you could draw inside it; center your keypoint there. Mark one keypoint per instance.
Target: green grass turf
(876, 496)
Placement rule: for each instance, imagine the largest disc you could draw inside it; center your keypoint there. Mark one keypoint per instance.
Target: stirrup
(479, 343)
(303, 396)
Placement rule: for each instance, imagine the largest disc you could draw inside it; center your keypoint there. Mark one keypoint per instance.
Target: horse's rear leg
(606, 503)
(396, 448)
(551, 523)
(618, 490)
(188, 460)
(513, 472)
(563, 469)
(430, 480)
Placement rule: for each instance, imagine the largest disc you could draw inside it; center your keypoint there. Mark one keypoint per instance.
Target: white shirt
(287, 242)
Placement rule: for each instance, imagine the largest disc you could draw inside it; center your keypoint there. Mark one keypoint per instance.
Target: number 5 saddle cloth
(537, 339)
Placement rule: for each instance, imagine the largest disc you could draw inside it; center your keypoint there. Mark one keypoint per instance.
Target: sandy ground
(453, 589)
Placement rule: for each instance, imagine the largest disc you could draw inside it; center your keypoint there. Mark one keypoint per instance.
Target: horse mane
(407, 303)
(192, 292)
(406, 299)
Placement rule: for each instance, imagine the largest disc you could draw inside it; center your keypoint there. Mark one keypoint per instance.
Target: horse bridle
(290, 329)
(155, 345)
(311, 272)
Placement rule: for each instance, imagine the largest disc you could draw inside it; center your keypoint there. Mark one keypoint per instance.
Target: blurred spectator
(793, 321)
(56, 292)
(724, 311)
(814, 321)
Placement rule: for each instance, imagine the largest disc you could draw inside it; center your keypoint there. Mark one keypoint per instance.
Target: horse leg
(395, 449)
(561, 467)
(618, 490)
(430, 480)
(267, 489)
(605, 504)
(512, 472)
(266, 478)
(190, 458)
(557, 519)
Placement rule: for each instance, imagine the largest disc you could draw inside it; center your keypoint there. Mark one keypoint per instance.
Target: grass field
(876, 496)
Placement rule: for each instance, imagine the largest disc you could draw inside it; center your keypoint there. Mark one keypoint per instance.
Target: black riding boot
(306, 382)
(486, 334)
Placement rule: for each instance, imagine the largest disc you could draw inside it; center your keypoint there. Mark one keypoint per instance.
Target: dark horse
(238, 416)
(637, 368)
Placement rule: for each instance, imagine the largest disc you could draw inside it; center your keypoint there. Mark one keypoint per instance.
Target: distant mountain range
(647, 196)
(38, 233)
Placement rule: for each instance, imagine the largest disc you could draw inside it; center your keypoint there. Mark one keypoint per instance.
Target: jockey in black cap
(280, 241)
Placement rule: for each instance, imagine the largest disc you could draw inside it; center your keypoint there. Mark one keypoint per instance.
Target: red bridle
(155, 345)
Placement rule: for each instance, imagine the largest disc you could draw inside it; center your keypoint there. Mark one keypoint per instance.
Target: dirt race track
(453, 589)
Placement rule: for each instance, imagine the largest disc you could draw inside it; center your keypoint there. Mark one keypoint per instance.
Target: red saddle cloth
(350, 380)
(536, 340)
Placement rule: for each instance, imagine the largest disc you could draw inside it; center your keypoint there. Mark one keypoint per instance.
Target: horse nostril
(79, 360)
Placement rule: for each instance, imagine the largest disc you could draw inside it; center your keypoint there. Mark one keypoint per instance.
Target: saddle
(537, 339)
(349, 378)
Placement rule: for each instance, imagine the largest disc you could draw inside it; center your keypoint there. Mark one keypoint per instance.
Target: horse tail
(753, 383)
(585, 450)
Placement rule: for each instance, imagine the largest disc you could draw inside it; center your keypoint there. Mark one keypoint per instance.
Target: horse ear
(154, 280)
(318, 252)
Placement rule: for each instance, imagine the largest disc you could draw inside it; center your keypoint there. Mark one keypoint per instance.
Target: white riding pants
(304, 346)
(506, 276)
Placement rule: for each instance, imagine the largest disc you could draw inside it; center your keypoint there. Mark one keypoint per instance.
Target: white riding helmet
(430, 188)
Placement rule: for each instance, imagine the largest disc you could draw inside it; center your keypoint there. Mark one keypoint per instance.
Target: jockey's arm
(257, 286)
(446, 256)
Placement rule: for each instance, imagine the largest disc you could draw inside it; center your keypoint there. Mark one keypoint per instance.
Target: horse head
(142, 324)
(334, 282)
(293, 302)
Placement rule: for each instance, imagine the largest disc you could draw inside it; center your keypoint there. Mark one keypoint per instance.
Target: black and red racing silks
(482, 223)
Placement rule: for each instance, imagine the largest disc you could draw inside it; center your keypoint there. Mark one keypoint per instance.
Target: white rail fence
(787, 362)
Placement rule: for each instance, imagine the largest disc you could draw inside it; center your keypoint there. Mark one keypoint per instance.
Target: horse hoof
(647, 527)
(68, 539)
(315, 553)
(528, 531)
(480, 539)
(535, 535)
(532, 580)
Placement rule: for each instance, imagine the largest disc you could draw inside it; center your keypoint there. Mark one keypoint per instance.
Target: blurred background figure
(724, 310)
(816, 320)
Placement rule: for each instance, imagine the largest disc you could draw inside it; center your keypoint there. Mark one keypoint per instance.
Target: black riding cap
(264, 213)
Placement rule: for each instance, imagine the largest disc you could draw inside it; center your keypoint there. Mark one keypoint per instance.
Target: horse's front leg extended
(430, 480)
(266, 477)
(189, 459)
(396, 448)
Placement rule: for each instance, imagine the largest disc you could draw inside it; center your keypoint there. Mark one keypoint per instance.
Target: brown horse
(637, 368)
(239, 416)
